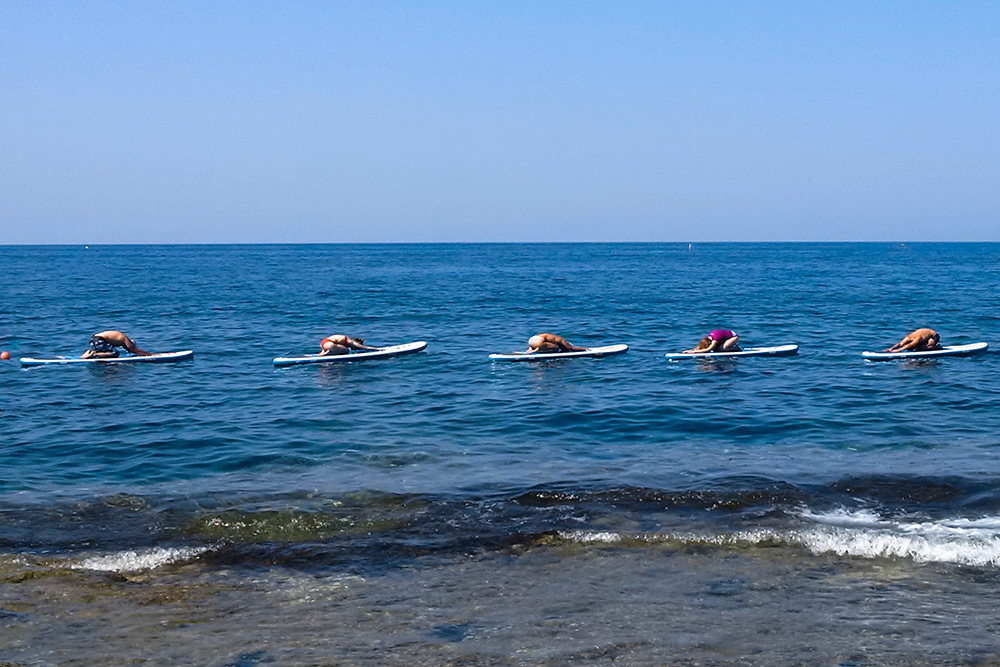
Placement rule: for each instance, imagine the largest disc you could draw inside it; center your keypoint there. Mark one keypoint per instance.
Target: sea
(440, 508)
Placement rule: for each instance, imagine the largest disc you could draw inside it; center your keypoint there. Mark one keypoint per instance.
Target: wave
(960, 540)
(857, 534)
(135, 561)
(925, 520)
(860, 534)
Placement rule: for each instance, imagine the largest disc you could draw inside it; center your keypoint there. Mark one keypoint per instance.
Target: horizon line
(411, 243)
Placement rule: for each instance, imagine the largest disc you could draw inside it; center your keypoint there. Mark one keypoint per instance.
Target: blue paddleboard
(775, 351)
(381, 353)
(946, 351)
(605, 351)
(161, 357)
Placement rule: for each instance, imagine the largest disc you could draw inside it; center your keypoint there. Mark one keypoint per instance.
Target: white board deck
(159, 358)
(381, 353)
(945, 351)
(774, 351)
(605, 351)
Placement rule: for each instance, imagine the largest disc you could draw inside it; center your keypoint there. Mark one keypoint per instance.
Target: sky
(513, 121)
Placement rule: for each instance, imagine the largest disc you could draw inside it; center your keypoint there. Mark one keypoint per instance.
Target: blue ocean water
(449, 421)
(225, 461)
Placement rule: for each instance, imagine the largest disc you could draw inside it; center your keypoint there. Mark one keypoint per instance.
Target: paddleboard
(945, 351)
(381, 353)
(775, 351)
(162, 357)
(605, 351)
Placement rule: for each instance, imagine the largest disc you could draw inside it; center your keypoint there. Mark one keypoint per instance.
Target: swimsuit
(98, 344)
(336, 347)
(721, 335)
(331, 340)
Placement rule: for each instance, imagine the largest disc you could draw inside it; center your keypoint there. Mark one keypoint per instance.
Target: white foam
(861, 534)
(924, 548)
(844, 517)
(589, 536)
(133, 561)
(865, 534)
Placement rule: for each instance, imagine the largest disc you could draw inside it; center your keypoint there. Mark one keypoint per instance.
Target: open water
(442, 509)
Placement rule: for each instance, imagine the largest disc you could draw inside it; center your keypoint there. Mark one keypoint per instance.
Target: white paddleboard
(125, 359)
(775, 351)
(945, 351)
(605, 351)
(381, 353)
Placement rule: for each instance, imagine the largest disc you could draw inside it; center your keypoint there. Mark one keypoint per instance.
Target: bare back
(549, 342)
(119, 339)
(919, 340)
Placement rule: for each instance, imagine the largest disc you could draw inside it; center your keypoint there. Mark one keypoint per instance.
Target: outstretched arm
(710, 348)
(903, 345)
(566, 346)
(355, 345)
(131, 347)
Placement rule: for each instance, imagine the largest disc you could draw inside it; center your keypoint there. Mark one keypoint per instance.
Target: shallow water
(440, 508)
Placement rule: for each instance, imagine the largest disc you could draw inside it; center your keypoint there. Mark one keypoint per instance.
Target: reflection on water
(717, 365)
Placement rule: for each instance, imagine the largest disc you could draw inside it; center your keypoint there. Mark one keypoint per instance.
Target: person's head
(536, 341)
(704, 343)
(359, 341)
(934, 340)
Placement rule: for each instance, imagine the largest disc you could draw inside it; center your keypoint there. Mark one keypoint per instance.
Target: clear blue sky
(204, 122)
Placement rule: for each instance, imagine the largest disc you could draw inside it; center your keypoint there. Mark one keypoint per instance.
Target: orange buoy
(5, 355)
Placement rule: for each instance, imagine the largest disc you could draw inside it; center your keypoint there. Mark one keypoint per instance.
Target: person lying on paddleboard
(919, 341)
(105, 345)
(720, 340)
(341, 344)
(548, 343)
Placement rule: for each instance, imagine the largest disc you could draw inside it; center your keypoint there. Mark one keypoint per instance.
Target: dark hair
(704, 343)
